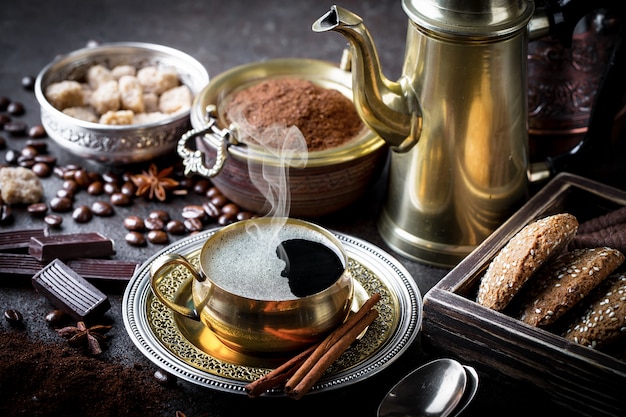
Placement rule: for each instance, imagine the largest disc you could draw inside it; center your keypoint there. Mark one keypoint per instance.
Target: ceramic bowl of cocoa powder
(243, 130)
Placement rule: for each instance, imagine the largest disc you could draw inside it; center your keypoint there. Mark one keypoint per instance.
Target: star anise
(81, 334)
(154, 183)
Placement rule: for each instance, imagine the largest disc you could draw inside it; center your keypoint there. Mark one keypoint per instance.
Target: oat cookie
(604, 321)
(521, 256)
(564, 281)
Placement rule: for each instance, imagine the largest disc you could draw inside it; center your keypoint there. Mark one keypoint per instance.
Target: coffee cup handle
(157, 275)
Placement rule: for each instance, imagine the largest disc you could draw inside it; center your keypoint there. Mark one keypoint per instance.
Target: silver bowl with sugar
(117, 144)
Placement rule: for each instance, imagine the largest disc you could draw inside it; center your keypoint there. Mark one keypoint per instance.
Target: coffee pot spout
(388, 107)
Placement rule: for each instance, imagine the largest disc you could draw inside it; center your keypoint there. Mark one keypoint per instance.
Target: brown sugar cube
(521, 256)
(157, 80)
(564, 281)
(604, 320)
(98, 75)
(119, 117)
(131, 93)
(82, 113)
(106, 97)
(65, 94)
(175, 99)
(19, 185)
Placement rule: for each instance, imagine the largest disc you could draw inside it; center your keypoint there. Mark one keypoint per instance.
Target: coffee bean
(40, 145)
(56, 317)
(15, 128)
(37, 209)
(15, 108)
(158, 237)
(128, 188)
(29, 151)
(244, 215)
(14, 317)
(193, 212)
(28, 82)
(224, 220)
(4, 103)
(212, 192)
(154, 223)
(61, 204)
(111, 188)
(162, 215)
(111, 177)
(53, 220)
(119, 199)
(230, 209)
(37, 131)
(46, 159)
(201, 186)
(164, 378)
(41, 169)
(4, 119)
(175, 227)
(63, 193)
(6, 214)
(135, 238)
(11, 156)
(211, 210)
(82, 178)
(219, 200)
(193, 225)
(134, 223)
(102, 209)
(82, 214)
(95, 188)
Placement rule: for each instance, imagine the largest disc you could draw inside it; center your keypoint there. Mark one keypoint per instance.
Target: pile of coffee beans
(159, 224)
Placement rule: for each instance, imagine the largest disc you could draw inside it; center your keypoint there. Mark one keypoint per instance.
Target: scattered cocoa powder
(44, 379)
(325, 117)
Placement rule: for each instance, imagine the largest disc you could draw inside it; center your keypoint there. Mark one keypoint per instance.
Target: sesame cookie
(604, 321)
(521, 256)
(564, 281)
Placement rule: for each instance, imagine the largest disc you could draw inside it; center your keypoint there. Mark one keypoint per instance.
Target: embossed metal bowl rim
(395, 276)
(323, 73)
(73, 65)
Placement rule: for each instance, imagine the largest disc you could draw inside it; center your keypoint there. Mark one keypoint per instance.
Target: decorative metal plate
(191, 352)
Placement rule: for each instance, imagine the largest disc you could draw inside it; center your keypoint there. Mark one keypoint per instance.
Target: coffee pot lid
(482, 18)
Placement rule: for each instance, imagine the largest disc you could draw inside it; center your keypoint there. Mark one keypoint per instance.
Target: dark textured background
(221, 35)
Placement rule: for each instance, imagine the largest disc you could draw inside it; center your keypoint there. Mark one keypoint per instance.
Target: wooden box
(579, 378)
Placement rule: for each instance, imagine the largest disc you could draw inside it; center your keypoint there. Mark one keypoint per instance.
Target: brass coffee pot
(456, 118)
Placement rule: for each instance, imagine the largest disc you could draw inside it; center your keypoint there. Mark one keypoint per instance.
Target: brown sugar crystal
(325, 117)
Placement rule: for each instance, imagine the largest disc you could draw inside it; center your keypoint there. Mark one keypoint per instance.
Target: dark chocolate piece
(113, 270)
(104, 269)
(19, 239)
(70, 292)
(70, 246)
(19, 264)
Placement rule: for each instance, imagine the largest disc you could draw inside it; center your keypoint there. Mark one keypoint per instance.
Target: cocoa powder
(45, 379)
(325, 117)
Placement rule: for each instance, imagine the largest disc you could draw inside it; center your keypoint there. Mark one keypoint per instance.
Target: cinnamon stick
(331, 355)
(330, 341)
(277, 375)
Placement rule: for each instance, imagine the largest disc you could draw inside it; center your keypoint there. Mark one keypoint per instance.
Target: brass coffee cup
(294, 305)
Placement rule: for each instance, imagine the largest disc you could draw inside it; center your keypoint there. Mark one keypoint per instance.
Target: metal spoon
(432, 390)
(470, 390)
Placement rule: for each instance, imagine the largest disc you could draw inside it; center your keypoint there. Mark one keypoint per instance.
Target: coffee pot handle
(157, 274)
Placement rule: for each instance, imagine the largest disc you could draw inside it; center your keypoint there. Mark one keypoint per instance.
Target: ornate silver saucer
(190, 351)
